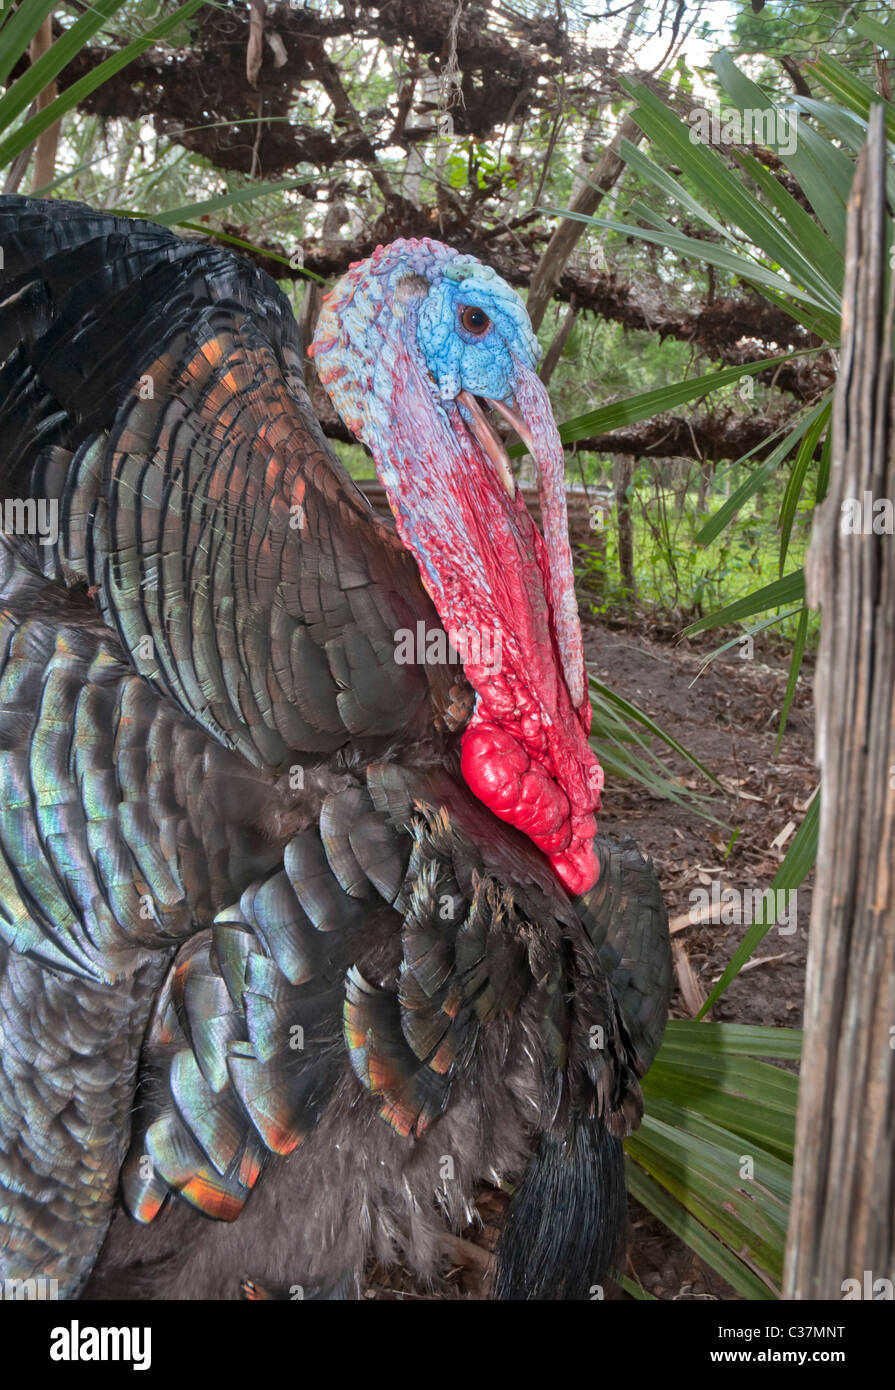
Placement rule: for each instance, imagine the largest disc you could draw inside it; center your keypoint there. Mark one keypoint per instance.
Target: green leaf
(635, 715)
(706, 251)
(801, 226)
(623, 766)
(26, 134)
(670, 186)
(769, 1089)
(787, 589)
(635, 1290)
(790, 876)
(708, 1102)
(704, 1177)
(823, 472)
(19, 27)
(616, 725)
(854, 93)
(737, 1039)
(39, 75)
(230, 240)
(634, 408)
(850, 130)
(685, 1109)
(761, 626)
(757, 478)
(795, 666)
(190, 211)
(823, 172)
(68, 174)
(713, 1251)
(796, 479)
(738, 207)
(883, 35)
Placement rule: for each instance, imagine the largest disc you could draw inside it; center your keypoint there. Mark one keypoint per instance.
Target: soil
(727, 716)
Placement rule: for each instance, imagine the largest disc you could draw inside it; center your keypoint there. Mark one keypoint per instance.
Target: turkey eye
(475, 321)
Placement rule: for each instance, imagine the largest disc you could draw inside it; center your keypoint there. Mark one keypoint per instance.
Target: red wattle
(501, 774)
(578, 868)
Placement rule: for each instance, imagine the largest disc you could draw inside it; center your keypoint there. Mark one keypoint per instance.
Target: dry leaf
(691, 990)
(780, 840)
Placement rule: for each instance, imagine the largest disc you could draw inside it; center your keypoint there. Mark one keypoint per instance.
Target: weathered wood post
(842, 1224)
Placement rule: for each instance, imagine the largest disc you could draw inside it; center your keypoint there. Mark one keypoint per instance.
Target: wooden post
(842, 1223)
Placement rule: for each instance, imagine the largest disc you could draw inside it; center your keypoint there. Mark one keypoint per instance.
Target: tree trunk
(560, 338)
(45, 149)
(706, 474)
(623, 477)
(842, 1223)
(564, 240)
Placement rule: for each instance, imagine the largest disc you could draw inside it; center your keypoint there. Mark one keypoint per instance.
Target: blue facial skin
(482, 364)
(408, 299)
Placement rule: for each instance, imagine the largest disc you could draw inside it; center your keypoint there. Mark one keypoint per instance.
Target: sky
(649, 51)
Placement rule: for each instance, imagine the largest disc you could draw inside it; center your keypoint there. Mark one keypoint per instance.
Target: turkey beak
(513, 417)
(490, 441)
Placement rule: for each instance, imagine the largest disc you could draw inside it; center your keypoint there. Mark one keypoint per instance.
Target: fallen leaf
(780, 840)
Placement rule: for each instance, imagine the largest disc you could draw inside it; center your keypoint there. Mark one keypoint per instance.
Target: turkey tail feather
(565, 1224)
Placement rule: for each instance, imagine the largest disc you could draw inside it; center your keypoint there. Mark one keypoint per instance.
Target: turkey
(306, 931)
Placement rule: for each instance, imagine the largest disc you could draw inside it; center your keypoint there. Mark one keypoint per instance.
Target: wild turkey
(337, 918)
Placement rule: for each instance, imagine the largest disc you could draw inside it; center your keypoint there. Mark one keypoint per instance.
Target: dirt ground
(727, 717)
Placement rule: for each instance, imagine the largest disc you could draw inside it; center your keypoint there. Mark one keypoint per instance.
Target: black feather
(565, 1223)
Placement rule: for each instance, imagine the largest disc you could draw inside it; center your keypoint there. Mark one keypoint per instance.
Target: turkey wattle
(340, 922)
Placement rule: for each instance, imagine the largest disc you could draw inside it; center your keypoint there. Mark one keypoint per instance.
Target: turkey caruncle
(340, 922)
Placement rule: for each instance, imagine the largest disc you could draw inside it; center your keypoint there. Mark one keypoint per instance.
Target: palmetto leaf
(883, 35)
(648, 403)
(183, 217)
(851, 91)
(178, 216)
(823, 172)
(678, 1218)
(19, 27)
(36, 78)
(604, 698)
(849, 128)
(816, 248)
(738, 208)
(797, 476)
(713, 1158)
(787, 589)
(816, 309)
(795, 665)
(757, 478)
(622, 736)
(761, 626)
